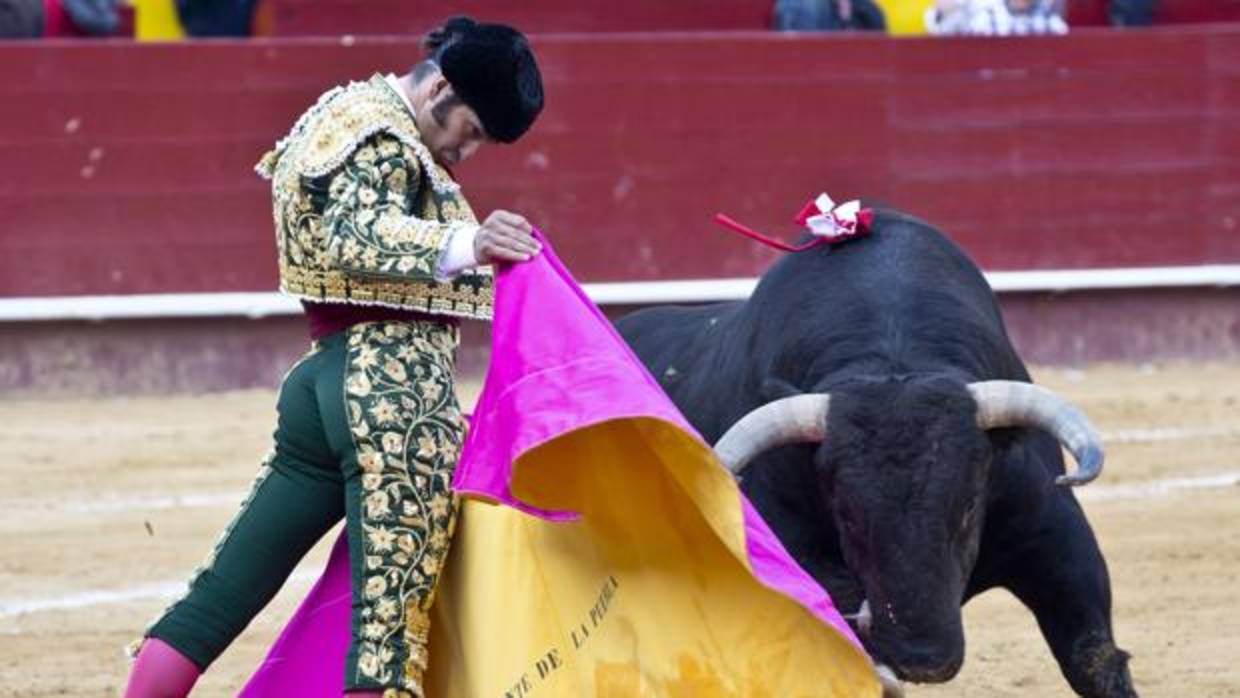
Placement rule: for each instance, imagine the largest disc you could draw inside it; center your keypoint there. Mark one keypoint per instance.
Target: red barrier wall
(388, 17)
(335, 17)
(126, 167)
(125, 357)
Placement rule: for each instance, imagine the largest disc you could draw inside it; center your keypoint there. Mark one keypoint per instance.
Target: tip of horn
(892, 688)
(1089, 466)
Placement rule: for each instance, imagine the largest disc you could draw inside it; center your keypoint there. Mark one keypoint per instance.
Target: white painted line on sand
(111, 504)
(1168, 434)
(184, 501)
(165, 590)
(10, 608)
(1157, 488)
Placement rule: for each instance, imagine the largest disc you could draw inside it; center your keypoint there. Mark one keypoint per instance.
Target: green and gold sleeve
(371, 226)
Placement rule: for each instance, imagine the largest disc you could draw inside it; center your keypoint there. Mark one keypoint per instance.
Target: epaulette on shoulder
(337, 125)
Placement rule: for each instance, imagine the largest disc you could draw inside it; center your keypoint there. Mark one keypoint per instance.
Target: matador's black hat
(492, 69)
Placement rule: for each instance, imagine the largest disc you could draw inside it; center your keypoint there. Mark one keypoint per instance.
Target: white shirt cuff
(458, 255)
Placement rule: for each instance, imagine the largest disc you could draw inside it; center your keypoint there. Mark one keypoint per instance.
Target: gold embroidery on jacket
(362, 212)
(408, 429)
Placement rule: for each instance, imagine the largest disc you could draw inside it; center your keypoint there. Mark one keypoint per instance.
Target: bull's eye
(851, 528)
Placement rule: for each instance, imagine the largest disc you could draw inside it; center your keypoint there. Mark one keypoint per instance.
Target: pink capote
(557, 366)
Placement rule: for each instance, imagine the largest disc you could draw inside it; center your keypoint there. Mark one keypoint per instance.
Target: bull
(881, 421)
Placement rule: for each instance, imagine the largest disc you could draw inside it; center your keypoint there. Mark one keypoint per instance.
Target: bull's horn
(1015, 404)
(892, 688)
(797, 419)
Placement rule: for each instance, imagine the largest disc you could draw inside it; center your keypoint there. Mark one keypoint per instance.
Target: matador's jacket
(362, 211)
(369, 427)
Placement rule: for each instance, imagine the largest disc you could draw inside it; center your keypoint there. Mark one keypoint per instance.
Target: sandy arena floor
(108, 505)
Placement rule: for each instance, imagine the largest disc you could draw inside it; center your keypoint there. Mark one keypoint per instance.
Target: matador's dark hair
(493, 71)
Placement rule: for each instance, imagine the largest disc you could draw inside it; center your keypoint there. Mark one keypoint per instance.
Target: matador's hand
(505, 237)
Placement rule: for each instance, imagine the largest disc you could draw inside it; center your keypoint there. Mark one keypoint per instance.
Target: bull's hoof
(1104, 674)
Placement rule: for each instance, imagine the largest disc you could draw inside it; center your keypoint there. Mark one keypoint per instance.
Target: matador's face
(451, 130)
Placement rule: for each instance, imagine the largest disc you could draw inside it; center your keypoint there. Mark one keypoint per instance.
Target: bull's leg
(1056, 569)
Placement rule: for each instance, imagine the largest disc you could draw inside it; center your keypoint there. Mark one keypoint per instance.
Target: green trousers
(369, 429)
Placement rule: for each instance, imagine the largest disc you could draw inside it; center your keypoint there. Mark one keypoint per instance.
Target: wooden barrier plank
(384, 17)
(329, 17)
(1098, 149)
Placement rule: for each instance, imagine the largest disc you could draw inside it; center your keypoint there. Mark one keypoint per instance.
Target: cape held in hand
(602, 549)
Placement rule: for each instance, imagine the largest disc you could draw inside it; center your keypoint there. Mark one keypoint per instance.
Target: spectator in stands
(375, 237)
(82, 18)
(995, 17)
(1037, 16)
(31, 19)
(828, 15)
(968, 17)
(207, 18)
(1132, 13)
(21, 19)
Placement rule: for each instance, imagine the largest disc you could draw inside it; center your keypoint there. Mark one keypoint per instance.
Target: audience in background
(995, 17)
(207, 18)
(82, 18)
(967, 17)
(1132, 13)
(31, 19)
(1037, 16)
(21, 19)
(828, 15)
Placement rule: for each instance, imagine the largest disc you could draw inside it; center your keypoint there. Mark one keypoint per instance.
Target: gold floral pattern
(408, 429)
(369, 229)
(328, 133)
(362, 212)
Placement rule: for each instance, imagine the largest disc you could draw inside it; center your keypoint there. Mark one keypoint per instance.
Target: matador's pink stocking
(161, 672)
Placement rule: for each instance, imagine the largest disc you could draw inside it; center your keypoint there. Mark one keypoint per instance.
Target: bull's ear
(777, 389)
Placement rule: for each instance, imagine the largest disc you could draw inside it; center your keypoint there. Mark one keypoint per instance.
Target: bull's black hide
(907, 503)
